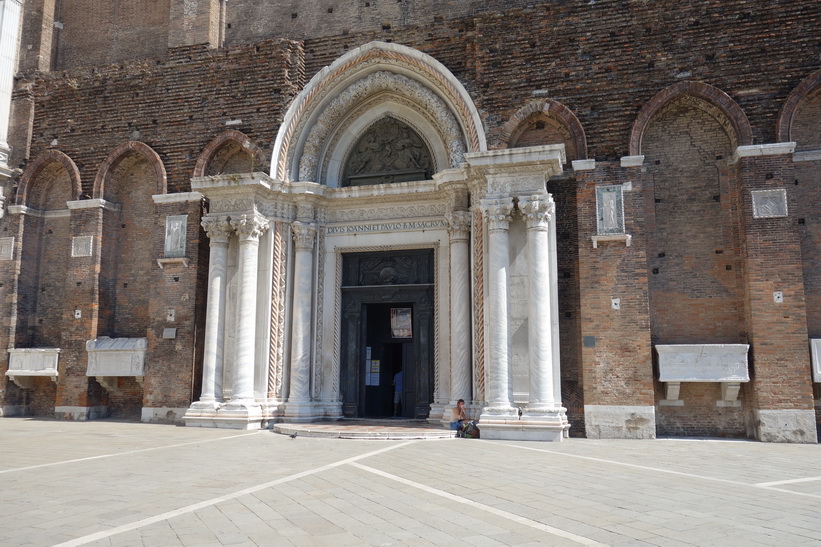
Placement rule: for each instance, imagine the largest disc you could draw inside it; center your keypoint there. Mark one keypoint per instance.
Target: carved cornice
(250, 227)
(537, 210)
(387, 213)
(497, 212)
(304, 234)
(218, 229)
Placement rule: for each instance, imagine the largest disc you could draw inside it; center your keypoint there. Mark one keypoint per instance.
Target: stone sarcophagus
(723, 363)
(109, 358)
(27, 363)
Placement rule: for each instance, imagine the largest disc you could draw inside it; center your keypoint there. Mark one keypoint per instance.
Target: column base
(162, 414)
(785, 426)
(619, 422)
(245, 415)
(302, 411)
(80, 413)
(521, 431)
(499, 414)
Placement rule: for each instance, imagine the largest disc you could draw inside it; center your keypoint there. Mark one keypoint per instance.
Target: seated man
(459, 416)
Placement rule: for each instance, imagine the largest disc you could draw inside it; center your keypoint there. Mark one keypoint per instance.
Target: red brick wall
(692, 241)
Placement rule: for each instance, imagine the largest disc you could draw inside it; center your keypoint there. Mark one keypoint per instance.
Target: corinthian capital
(218, 229)
(250, 227)
(459, 224)
(497, 212)
(537, 210)
(303, 234)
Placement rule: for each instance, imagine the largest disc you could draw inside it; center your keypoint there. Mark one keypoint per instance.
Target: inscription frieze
(410, 225)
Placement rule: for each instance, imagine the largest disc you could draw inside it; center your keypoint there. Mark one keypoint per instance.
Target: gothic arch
(227, 138)
(552, 109)
(119, 154)
(434, 102)
(808, 86)
(711, 97)
(39, 165)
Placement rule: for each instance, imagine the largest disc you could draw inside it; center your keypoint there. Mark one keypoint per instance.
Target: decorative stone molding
(82, 246)
(459, 224)
(517, 171)
(364, 60)
(177, 197)
(303, 235)
(808, 155)
(250, 228)
(92, 204)
(750, 151)
(537, 210)
(632, 161)
(769, 203)
(584, 165)
(626, 238)
(380, 213)
(120, 153)
(497, 212)
(724, 363)
(218, 229)
(25, 364)
(109, 358)
(374, 83)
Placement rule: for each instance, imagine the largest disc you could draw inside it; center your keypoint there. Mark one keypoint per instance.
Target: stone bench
(723, 363)
(25, 364)
(110, 358)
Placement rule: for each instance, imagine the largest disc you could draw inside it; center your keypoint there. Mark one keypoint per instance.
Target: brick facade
(163, 91)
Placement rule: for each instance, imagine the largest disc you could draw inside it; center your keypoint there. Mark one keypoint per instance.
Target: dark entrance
(387, 306)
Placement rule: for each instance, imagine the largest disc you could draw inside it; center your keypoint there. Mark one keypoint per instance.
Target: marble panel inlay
(769, 203)
(116, 356)
(81, 246)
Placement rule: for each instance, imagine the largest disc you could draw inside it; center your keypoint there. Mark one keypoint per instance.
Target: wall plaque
(6, 248)
(175, 228)
(81, 246)
(769, 203)
(610, 209)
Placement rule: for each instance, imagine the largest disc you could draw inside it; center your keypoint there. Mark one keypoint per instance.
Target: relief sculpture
(390, 151)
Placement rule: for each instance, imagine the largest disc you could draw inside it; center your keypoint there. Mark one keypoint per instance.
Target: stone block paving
(114, 483)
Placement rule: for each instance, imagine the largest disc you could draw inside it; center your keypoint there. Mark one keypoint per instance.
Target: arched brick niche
(800, 122)
(230, 152)
(49, 181)
(696, 292)
(127, 179)
(47, 184)
(545, 122)
(800, 113)
(723, 107)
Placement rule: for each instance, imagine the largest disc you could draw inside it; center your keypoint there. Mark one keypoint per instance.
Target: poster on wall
(401, 324)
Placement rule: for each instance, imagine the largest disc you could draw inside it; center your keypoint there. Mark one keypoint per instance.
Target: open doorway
(387, 326)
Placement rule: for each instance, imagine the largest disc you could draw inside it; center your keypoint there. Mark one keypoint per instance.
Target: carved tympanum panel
(389, 151)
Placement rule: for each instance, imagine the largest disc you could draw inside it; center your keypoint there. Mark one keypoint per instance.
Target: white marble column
(497, 370)
(300, 378)
(249, 229)
(537, 211)
(10, 14)
(218, 230)
(460, 309)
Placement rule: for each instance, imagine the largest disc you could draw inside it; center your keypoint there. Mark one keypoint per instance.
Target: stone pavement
(114, 483)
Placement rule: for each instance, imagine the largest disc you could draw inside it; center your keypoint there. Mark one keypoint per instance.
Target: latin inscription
(387, 227)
